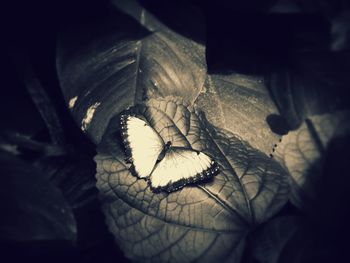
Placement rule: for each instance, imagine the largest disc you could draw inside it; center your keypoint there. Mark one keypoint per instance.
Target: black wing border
(125, 140)
(204, 177)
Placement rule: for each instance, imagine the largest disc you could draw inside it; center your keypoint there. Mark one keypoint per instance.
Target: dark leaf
(297, 239)
(341, 31)
(252, 43)
(271, 238)
(187, 26)
(308, 244)
(40, 97)
(303, 153)
(25, 119)
(313, 83)
(33, 209)
(328, 8)
(73, 175)
(38, 251)
(179, 226)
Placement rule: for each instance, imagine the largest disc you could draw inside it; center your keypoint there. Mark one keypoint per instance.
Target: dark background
(269, 44)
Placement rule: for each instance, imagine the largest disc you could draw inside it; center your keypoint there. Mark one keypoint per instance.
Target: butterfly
(166, 167)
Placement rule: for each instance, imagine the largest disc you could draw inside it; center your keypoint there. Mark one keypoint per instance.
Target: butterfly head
(167, 145)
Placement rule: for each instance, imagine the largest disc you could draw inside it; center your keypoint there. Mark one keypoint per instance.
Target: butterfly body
(166, 167)
(164, 151)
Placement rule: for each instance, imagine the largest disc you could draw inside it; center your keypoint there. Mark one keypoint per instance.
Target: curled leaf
(207, 221)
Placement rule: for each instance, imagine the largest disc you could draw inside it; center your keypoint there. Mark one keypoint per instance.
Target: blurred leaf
(303, 152)
(39, 96)
(328, 8)
(341, 31)
(26, 118)
(179, 226)
(314, 83)
(297, 239)
(38, 251)
(309, 244)
(248, 6)
(33, 209)
(284, 7)
(271, 238)
(75, 177)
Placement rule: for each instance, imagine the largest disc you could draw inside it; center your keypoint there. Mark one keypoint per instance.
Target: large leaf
(206, 222)
(32, 208)
(303, 153)
(115, 63)
(112, 64)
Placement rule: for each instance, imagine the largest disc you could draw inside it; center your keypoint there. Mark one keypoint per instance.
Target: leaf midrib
(245, 194)
(138, 58)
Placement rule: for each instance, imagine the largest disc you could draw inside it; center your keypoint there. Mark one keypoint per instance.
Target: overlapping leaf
(204, 222)
(302, 152)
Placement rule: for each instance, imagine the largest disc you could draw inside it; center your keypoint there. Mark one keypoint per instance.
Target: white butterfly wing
(143, 144)
(180, 167)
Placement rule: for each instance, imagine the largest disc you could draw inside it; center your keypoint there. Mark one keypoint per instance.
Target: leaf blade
(134, 57)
